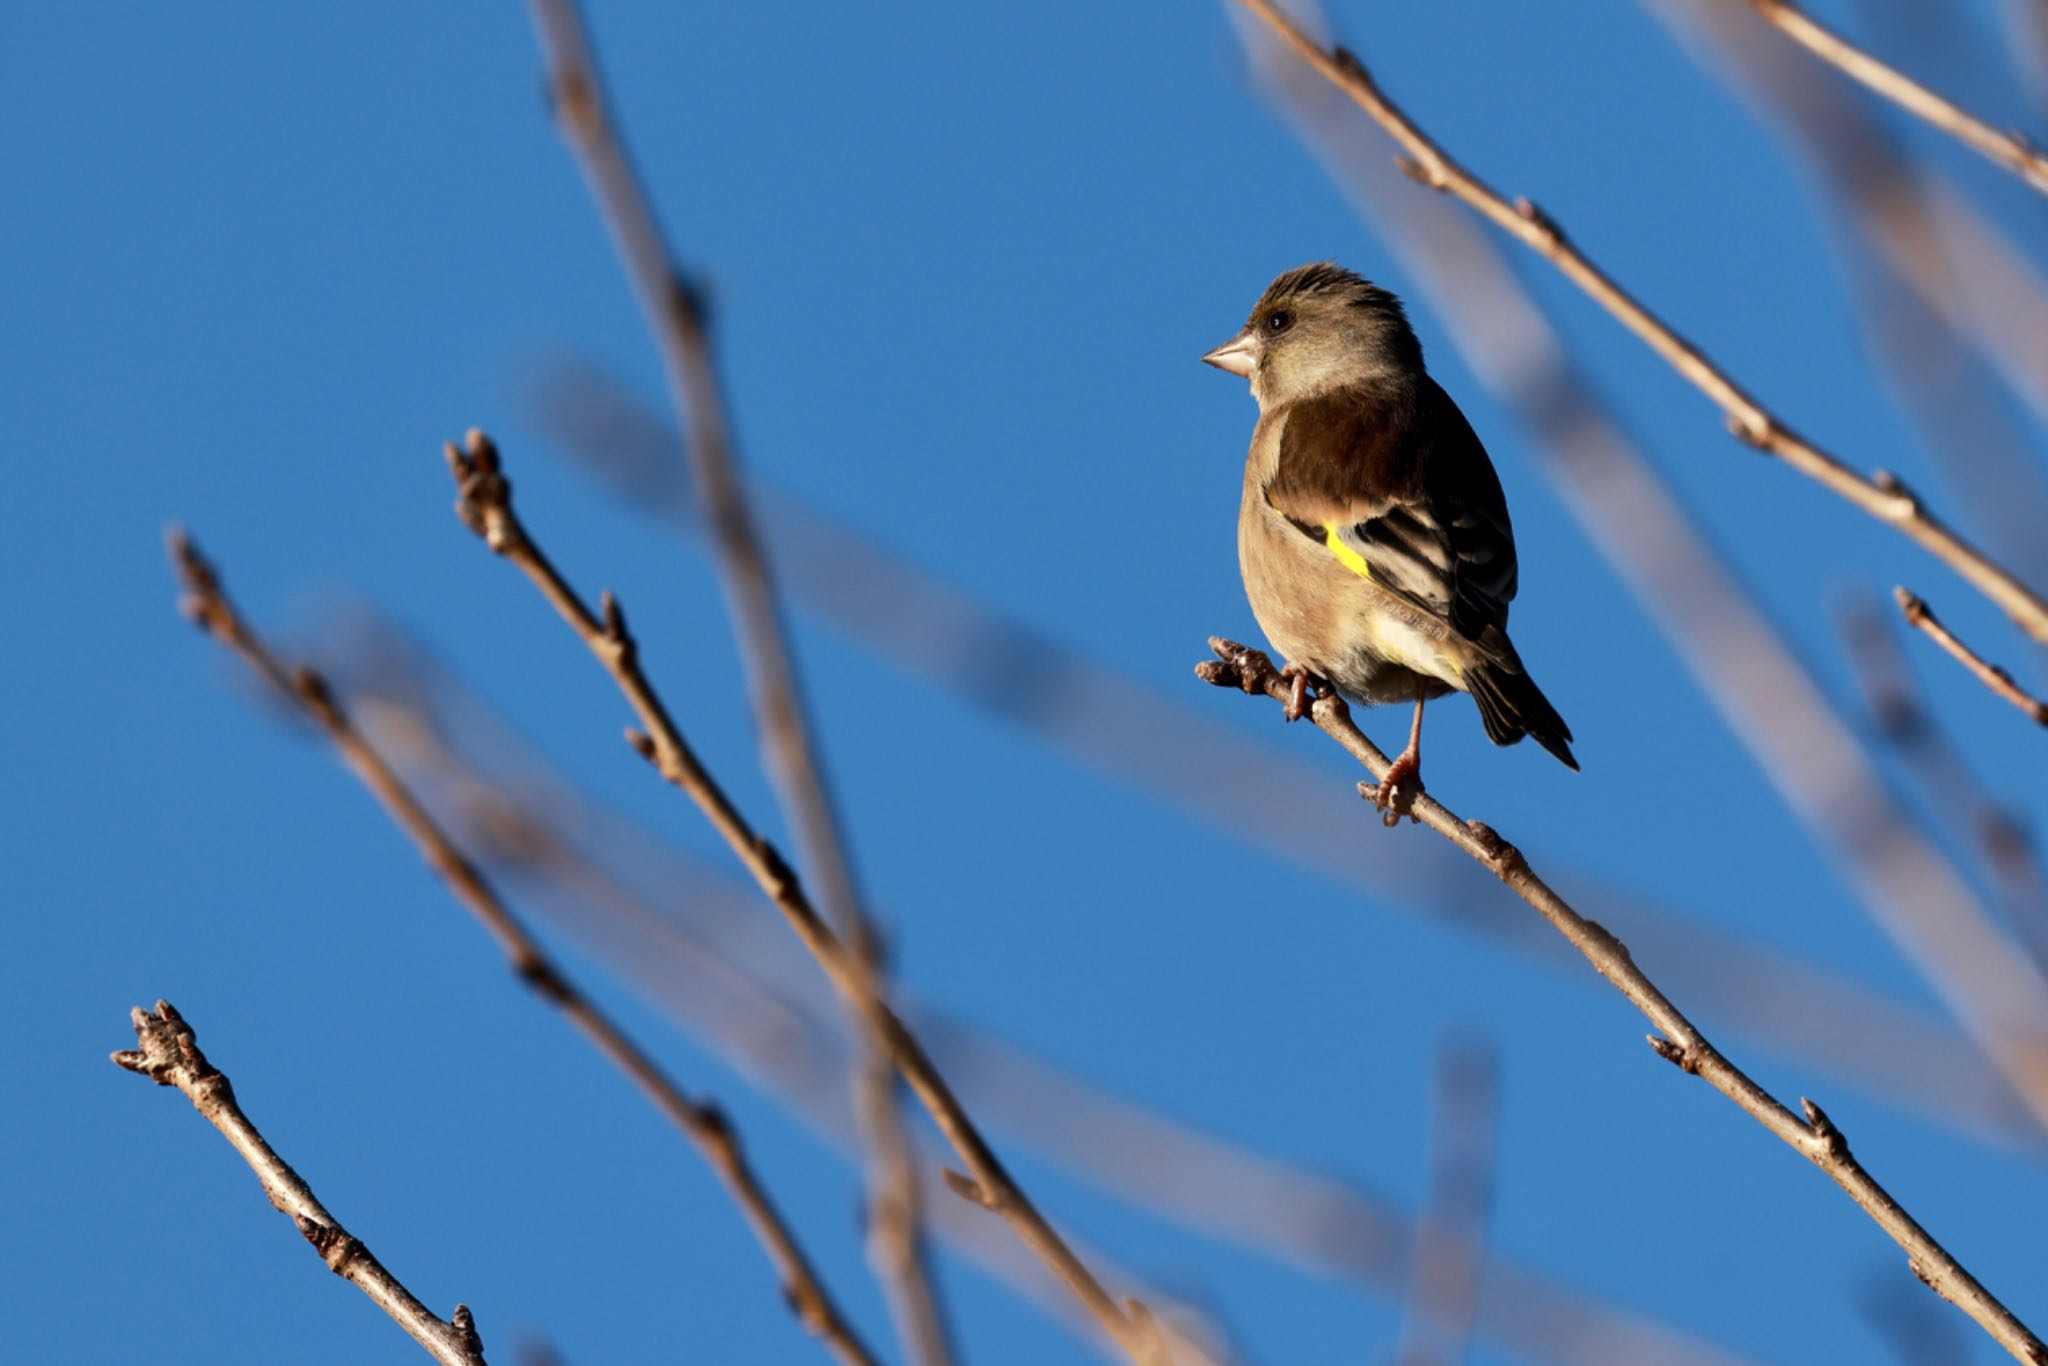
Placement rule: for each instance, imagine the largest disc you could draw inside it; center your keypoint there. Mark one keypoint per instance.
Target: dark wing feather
(1400, 479)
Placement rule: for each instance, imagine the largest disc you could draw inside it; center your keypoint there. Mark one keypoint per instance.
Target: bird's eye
(1280, 321)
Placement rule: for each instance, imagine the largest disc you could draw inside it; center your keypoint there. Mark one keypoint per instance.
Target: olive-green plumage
(1373, 535)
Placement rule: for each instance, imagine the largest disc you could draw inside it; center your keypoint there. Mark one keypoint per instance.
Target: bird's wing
(1399, 490)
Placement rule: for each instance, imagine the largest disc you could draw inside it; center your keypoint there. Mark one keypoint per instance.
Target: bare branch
(677, 929)
(1449, 1252)
(485, 505)
(707, 1126)
(1763, 689)
(2012, 150)
(1946, 297)
(1942, 775)
(1679, 1041)
(675, 314)
(1882, 496)
(169, 1056)
(1922, 618)
(1162, 746)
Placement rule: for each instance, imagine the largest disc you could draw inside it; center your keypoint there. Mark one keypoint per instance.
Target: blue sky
(259, 262)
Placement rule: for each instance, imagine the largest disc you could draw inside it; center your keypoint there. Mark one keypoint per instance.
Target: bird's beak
(1238, 355)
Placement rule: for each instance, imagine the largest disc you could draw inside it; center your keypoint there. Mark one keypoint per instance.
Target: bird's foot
(1300, 683)
(1395, 793)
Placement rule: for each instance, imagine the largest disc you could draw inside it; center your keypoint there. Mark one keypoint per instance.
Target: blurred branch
(1947, 299)
(2025, 30)
(679, 945)
(169, 1056)
(1942, 775)
(1144, 737)
(1765, 693)
(1450, 1237)
(2011, 150)
(1921, 617)
(1883, 497)
(707, 1126)
(674, 312)
(1681, 1043)
(485, 503)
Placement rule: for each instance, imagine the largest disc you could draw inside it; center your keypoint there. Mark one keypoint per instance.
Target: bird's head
(1317, 328)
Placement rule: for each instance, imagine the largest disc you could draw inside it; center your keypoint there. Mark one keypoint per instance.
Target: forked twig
(1922, 619)
(707, 1126)
(1679, 1041)
(485, 504)
(168, 1054)
(1882, 496)
(2012, 150)
(675, 315)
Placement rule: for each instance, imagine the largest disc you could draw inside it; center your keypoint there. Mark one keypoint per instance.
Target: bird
(1373, 535)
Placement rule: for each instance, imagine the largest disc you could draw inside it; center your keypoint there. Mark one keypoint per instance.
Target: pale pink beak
(1238, 355)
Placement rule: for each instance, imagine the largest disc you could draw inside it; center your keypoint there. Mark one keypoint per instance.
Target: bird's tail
(1513, 706)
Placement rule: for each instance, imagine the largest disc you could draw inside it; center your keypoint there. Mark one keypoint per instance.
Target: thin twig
(1449, 1251)
(485, 504)
(1679, 1041)
(2012, 150)
(707, 1126)
(169, 1055)
(1882, 496)
(1946, 296)
(675, 315)
(1943, 776)
(1922, 619)
(682, 951)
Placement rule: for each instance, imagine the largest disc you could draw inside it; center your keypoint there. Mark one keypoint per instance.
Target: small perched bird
(1373, 536)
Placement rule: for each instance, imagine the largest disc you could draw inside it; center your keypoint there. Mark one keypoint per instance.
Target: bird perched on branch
(1374, 537)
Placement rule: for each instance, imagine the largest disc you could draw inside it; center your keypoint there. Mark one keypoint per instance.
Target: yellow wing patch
(1346, 556)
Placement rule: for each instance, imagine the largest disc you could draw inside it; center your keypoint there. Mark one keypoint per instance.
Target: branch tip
(483, 452)
(1675, 1054)
(967, 1188)
(311, 685)
(464, 1324)
(775, 869)
(1754, 430)
(1833, 1144)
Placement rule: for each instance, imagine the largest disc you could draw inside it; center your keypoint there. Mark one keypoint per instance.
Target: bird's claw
(1300, 683)
(1395, 793)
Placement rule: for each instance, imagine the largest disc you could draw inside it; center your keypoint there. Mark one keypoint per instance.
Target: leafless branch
(676, 929)
(169, 1055)
(1943, 776)
(1765, 692)
(1882, 496)
(707, 1126)
(1678, 1041)
(1922, 619)
(675, 315)
(2012, 150)
(1946, 296)
(1165, 748)
(1450, 1238)
(485, 504)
